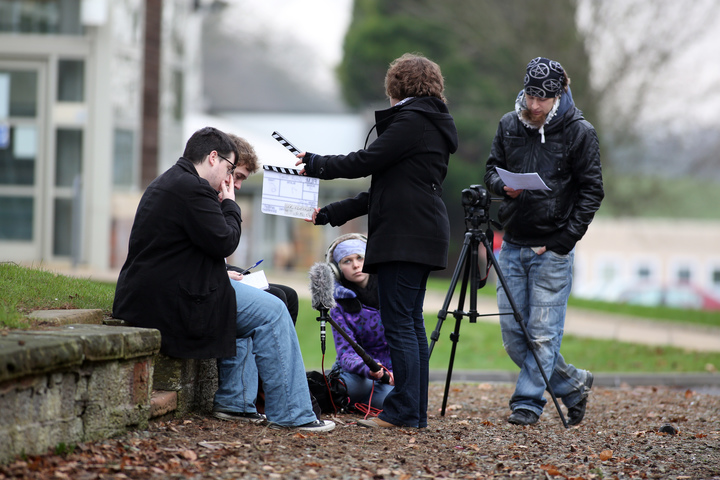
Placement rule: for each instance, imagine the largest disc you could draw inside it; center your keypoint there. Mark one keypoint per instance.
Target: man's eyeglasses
(231, 170)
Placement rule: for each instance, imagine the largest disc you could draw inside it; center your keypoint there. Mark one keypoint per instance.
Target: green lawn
(479, 347)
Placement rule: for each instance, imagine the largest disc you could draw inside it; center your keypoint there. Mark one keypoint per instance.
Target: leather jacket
(568, 161)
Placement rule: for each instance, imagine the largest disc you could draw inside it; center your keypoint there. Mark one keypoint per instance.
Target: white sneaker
(316, 426)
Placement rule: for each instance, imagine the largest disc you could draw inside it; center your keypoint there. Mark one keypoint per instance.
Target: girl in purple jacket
(357, 312)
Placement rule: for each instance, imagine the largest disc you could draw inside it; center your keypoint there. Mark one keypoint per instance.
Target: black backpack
(334, 400)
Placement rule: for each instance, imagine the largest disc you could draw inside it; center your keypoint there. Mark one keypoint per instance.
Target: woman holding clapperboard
(408, 227)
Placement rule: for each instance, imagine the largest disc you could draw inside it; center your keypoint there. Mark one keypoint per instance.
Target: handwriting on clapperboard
(287, 193)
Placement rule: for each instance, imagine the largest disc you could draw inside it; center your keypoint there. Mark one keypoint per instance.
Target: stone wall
(73, 383)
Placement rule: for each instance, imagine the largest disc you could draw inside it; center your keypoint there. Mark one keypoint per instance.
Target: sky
(308, 35)
(307, 32)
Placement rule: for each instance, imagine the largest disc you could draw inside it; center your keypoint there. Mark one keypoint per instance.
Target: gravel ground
(622, 436)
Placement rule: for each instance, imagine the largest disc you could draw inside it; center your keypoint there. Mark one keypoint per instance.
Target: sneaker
(251, 417)
(577, 412)
(316, 426)
(523, 416)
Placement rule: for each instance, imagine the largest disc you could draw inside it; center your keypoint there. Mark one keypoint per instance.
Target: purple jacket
(365, 328)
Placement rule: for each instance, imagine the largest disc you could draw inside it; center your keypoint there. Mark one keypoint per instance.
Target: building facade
(92, 94)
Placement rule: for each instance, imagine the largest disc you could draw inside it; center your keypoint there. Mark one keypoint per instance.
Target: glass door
(21, 159)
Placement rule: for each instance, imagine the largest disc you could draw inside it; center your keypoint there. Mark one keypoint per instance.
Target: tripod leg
(519, 319)
(455, 336)
(442, 314)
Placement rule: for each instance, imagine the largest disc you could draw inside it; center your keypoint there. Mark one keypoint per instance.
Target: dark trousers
(401, 287)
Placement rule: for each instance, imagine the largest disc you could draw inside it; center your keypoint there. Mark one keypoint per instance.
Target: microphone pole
(322, 319)
(369, 361)
(321, 286)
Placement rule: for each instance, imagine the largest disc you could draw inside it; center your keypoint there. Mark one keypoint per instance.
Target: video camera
(476, 201)
(476, 196)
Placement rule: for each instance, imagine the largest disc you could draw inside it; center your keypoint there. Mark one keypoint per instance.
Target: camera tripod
(474, 236)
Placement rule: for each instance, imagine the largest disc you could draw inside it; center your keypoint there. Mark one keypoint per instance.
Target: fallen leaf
(606, 455)
(189, 455)
(551, 470)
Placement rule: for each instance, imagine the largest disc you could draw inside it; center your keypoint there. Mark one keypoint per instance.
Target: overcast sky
(305, 34)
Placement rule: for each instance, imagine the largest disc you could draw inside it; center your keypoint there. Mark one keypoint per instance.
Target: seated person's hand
(383, 375)
(235, 275)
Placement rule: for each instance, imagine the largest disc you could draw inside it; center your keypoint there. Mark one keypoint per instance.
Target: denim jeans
(237, 380)
(401, 288)
(272, 343)
(540, 286)
(359, 389)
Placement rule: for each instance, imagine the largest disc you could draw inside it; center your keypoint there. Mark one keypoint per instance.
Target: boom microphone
(322, 282)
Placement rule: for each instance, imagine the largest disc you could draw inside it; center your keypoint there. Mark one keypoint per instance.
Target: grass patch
(479, 348)
(667, 314)
(23, 290)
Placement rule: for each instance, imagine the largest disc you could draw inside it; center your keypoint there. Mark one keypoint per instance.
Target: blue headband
(347, 248)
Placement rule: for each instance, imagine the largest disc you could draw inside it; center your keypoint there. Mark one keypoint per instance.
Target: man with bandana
(546, 134)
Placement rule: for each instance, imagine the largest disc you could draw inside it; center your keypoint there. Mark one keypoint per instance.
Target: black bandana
(544, 78)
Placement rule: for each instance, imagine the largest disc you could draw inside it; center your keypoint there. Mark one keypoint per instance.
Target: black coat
(407, 219)
(569, 164)
(174, 278)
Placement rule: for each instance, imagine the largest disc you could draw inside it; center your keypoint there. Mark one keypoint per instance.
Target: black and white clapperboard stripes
(285, 192)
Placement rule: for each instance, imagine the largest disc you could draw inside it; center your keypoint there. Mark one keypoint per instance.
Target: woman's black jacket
(407, 219)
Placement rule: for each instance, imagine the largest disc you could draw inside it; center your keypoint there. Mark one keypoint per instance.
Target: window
(62, 230)
(178, 95)
(18, 93)
(684, 274)
(40, 16)
(16, 218)
(68, 157)
(17, 160)
(71, 81)
(123, 173)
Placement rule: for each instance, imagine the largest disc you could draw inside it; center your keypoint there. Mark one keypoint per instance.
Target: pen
(244, 272)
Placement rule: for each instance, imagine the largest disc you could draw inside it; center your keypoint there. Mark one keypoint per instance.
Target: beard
(536, 122)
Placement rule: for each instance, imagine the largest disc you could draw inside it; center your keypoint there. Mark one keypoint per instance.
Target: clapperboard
(285, 192)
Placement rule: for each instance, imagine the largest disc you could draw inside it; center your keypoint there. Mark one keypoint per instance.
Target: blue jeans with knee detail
(540, 286)
(266, 344)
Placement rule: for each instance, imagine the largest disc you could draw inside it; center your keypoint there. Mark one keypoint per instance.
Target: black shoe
(251, 417)
(522, 416)
(577, 412)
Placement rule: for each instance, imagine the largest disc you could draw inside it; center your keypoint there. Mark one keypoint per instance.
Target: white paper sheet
(522, 181)
(256, 279)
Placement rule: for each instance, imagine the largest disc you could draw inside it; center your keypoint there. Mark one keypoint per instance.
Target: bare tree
(648, 61)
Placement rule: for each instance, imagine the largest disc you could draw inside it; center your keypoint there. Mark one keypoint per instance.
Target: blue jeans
(401, 288)
(266, 343)
(237, 380)
(540, 286)
(359, 388)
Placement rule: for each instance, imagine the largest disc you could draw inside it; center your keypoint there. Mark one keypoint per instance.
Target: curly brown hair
(246, 153)
(413, 75)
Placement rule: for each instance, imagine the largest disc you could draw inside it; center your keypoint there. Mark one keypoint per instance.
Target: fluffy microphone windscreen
(322, 282)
